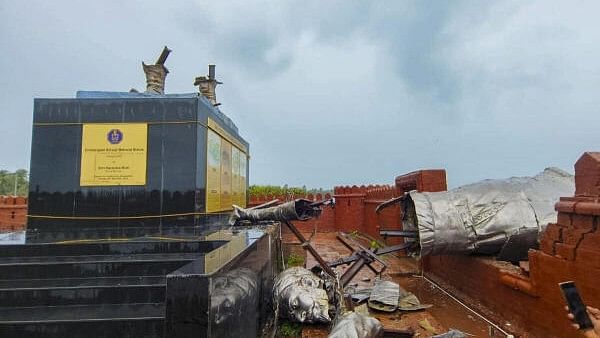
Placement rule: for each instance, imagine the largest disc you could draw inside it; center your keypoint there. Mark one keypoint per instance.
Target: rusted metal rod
(311, 249)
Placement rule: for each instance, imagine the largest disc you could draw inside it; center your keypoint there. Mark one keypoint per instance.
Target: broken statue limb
(297, 210)
(157, 73)
(482, 217)
(299, 295)
(356, 325)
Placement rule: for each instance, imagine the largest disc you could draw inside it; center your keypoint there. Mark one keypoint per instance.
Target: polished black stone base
(143, 287)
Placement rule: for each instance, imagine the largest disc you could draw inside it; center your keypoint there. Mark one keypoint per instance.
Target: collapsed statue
(485, 217)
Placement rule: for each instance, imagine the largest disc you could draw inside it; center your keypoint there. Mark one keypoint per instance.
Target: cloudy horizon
(330, 93)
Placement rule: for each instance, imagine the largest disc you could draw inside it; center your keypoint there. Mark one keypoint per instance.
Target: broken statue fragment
(385, 296)
(299, 296)
(356, 325)
(300, 209)
(482, 217)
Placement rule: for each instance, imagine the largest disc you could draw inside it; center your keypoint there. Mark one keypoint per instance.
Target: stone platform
(136, 287)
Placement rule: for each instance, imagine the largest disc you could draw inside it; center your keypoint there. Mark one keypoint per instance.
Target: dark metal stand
(362, 256)
(306, 244)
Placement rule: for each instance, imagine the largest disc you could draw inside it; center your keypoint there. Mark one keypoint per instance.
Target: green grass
(294, 260)
(375, 245)
(289, 329)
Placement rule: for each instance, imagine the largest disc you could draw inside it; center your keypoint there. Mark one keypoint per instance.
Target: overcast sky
(333, 92)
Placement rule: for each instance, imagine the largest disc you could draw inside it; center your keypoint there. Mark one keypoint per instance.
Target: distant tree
(9, 179)
(275, 190)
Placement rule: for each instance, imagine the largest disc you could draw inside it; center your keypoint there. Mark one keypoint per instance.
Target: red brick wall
(350, 208)
(569, 250)
(355, 205)
(388, 218)
(13, 213)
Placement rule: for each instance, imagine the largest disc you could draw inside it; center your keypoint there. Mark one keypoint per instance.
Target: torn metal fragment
(410, 302)
(360, 295)
(385, 296)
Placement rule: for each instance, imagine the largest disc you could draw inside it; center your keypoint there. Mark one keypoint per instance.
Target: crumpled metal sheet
(359, 295)
(299, 296)
(478, 218)
(355, 325)
(410, 302)
(299, 209)
(385, 296)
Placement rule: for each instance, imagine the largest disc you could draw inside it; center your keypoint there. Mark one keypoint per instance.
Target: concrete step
(69, 282)
(97, 266)
(85, 248)
(23, 261)
(77, 295)
(90, 321)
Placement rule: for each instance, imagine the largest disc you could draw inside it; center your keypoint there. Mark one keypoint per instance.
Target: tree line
(11, 180)
(276, 190)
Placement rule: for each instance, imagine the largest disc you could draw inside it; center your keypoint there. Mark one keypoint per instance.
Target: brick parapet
(587, 175)
(258, 200)
(430, 180)
(13, 213)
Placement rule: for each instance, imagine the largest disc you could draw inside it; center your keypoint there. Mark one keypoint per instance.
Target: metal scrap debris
(385, 296)
(410, 302)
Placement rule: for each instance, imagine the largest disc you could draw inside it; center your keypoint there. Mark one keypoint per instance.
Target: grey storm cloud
(333, 92)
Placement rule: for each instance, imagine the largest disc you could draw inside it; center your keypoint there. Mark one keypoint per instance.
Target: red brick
(553, 232)
(13, 213)
(583, 222)
(572, 236)
(591, 241)
(565, 251)
(588, 258)
(564, 219)
(547, 245)
(587, 175)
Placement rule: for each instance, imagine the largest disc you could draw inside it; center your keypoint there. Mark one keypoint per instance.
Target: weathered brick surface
(564, 219)
(552, 235)
(582, 222)
(350, 208)
(574, 236)
(565, 251)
